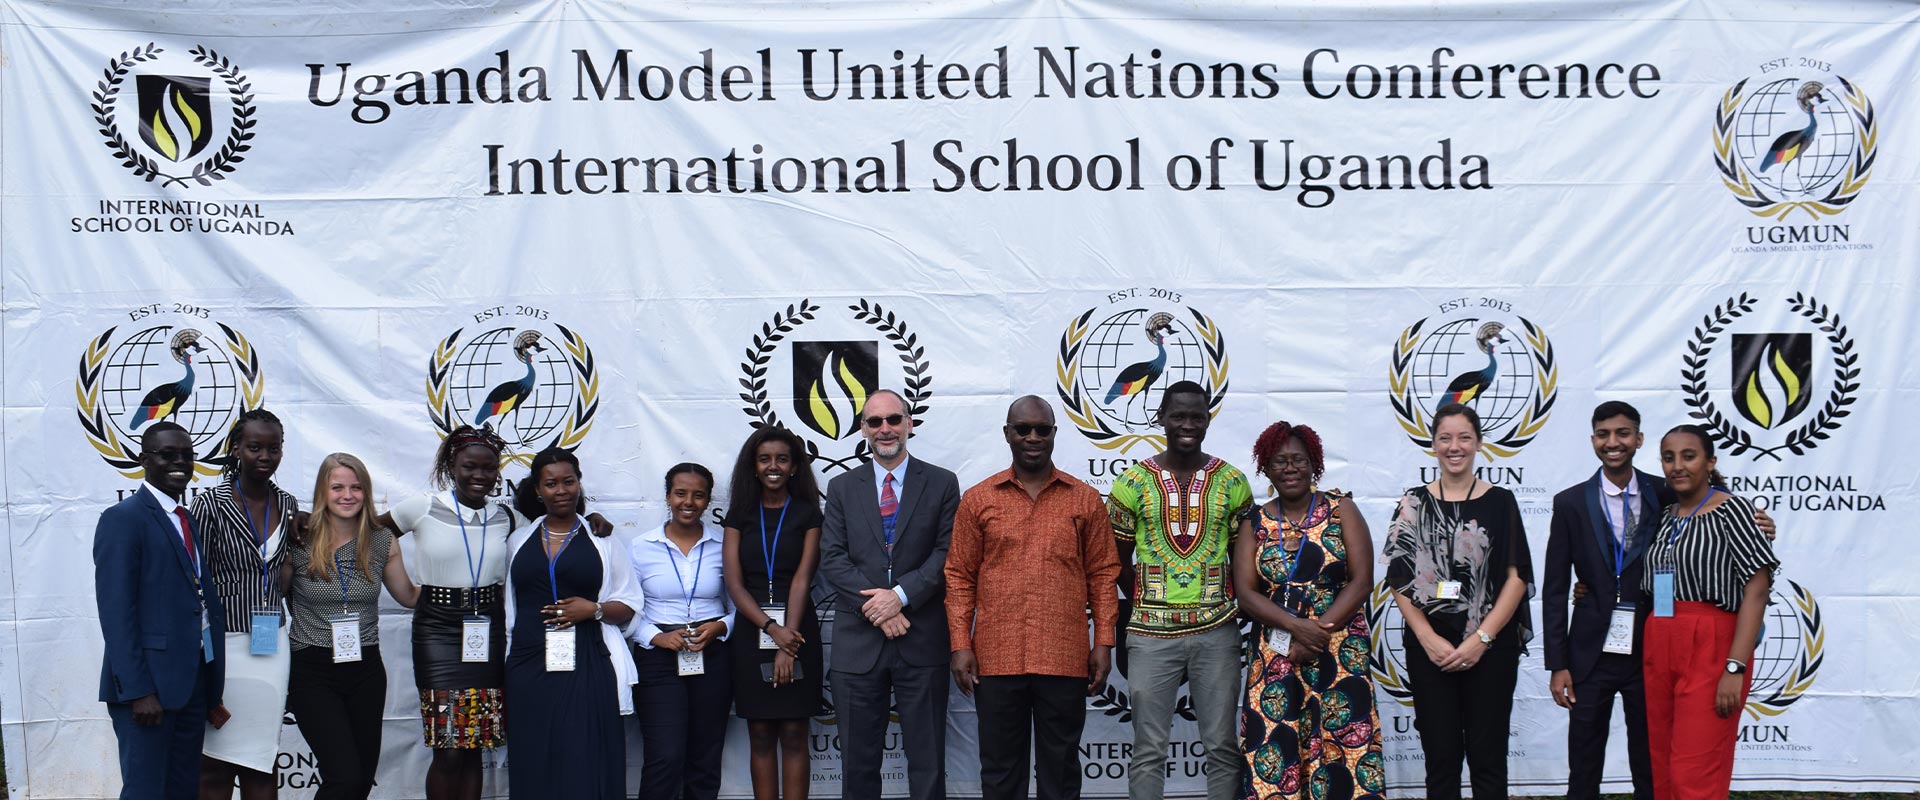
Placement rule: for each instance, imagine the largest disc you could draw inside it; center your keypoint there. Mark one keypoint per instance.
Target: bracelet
(765, 625)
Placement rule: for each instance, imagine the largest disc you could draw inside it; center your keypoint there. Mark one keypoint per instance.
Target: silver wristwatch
(598, 612)
(1484, 637)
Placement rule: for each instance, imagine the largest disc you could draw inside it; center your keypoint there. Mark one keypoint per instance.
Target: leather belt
(460, 596)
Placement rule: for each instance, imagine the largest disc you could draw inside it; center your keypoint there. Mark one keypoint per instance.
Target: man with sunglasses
(884, 551)
(1032, 551)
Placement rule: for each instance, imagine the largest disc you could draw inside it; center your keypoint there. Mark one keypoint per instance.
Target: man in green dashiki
(1173, 521)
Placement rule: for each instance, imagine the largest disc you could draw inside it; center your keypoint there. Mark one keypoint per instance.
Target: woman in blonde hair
(338, 686)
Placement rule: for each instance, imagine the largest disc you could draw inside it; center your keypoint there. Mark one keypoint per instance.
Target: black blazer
(1581, 544)
(853, 557)
(149, 613)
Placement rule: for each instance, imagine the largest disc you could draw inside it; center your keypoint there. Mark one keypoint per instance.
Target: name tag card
(692, 662)
(206, 639)
(777, 613)
(476, 640)
(560, 650)
(1620, 631)
(264, 636)
(1281, 642)
(346, 637)
(1663, 592)
(1447, 590)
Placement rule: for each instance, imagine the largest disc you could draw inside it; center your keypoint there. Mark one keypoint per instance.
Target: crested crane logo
(1115, 360)
(174, 362)
(1796, 140)
(1476, 352)
(534, 382)
(830, 360)
(192, 113)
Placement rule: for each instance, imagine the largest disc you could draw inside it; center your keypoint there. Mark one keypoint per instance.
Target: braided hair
(460, 439)
(232, 466)
(1277, 434)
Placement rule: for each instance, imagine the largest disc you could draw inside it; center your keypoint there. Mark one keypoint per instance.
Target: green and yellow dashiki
(1182, 536)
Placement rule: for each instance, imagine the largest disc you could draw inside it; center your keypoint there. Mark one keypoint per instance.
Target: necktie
(186, 536)
(889, 508)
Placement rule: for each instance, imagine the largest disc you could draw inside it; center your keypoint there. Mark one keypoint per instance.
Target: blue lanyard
(1620, 543)
(260, 541)
(473, 568)
(553, 580)
(1680, 523)
(1293, 565)
(767, 551)
(698, 564)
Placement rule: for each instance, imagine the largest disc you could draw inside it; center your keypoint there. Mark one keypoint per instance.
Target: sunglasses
(890, 419)
(1024, 429)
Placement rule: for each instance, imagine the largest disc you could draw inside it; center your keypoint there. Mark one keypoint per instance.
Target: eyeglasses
(890, 419)
(1296, 460)
(1025, 429)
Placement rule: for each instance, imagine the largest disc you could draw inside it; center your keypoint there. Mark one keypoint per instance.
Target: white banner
(1704, 208)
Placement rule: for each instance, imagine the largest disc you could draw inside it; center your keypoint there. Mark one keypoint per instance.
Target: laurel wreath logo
(1735, 440)
(1079, 403)
(215, 167)
(1386, 673)
(916, 383)
(1413, 418)
(1813, 645)
(118, 451)
(1754, 196)
(573, 428)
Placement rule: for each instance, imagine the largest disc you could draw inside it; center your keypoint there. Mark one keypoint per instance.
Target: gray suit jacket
(853, 557)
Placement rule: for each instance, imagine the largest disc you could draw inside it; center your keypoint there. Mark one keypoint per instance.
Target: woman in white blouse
(685, 686)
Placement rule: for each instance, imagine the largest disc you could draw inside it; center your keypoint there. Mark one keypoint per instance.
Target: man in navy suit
(884, 549)
(163, 625)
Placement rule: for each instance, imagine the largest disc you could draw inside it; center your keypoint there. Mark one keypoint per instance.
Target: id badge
(692, 662)
(346, 637)
(476, 640)
(778, 614)
(1663, 592)
(560, 650)
(206, 639)
(1620, 631)
(1447, 590)
(1280, 642)
(264, 639)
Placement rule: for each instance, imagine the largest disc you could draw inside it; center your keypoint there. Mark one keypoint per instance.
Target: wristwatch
(1735, 667)
(1484, 637)
(598, 612)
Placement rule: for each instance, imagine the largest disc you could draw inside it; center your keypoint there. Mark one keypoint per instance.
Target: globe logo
(1131, 356)
(1457, 349)
(1791, 649)
(1775, 119)
(1388, 661)
(198, 378)
(519, 384)
(1503, 369)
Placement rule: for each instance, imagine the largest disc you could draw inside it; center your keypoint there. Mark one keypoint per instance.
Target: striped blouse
(234, 550)
(1712, 555)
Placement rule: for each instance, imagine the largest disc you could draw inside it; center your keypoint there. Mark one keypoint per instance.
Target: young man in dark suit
(884, 550)
(163, 625)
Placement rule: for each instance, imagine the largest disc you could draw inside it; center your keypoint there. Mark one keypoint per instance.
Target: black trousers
(860, 701)
(1591, 719)
(1463, 714)
(1054, 708)
(339, 709)
(683, 722)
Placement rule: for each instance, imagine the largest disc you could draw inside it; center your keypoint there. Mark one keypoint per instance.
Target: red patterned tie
(186, 535)
(889, 508)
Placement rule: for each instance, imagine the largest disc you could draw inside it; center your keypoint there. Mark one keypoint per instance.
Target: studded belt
(460, 596)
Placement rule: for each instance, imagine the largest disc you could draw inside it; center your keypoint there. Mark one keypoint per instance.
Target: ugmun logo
(1114, 360)
(1789, 380)
(816, 366)
(177, 365)
(1797, 139)
(190, 117)
(1476, 352)
(532, 381)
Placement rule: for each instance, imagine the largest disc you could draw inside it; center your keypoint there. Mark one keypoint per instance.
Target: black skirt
(755, 698)
(437, 640)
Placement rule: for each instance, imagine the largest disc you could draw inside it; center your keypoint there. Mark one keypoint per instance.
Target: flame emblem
(1771, 374)
(831, 383)
(176, 115)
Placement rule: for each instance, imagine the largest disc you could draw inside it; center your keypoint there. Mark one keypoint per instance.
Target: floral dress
(1310, 731)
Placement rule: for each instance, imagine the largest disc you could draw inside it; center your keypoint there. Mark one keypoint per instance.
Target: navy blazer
(149, 610)
(1581, 542)
(853, 557)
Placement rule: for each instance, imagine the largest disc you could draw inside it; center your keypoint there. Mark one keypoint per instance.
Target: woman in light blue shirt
(685, 684)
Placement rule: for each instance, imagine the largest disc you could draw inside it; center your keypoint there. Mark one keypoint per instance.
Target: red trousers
(1685, 656)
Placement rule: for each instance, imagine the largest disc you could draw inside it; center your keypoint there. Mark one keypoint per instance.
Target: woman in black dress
(775, 515)
(566, 696)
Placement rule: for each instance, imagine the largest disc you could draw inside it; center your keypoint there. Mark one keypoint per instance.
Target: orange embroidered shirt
(1022, 572)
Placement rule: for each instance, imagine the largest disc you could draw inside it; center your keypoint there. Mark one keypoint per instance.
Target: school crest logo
(1792, 648)
(181, 367)
(1799, 139)
(192, 114)
(829, 361)
(532, 381)
(1114, 361)
(1774, 378)
(1481, 354)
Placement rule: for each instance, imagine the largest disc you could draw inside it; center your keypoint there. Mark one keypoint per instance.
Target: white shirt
(667, 576)
(440, 558)
(899, 473)
(167, 506)
(1612, 496)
